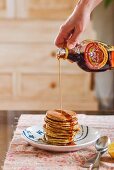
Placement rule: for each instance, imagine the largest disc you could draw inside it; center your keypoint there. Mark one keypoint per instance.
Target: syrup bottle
(91, 56)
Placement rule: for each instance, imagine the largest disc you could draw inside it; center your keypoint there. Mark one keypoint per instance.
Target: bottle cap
(62, 53)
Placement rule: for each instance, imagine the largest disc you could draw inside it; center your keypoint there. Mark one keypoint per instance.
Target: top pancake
(58, 115)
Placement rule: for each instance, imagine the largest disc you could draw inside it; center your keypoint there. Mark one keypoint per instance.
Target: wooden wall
(28, 70)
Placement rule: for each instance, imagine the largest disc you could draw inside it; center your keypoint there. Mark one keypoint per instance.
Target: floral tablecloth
(22, 156)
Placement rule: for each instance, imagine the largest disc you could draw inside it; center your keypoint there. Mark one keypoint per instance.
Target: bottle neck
(71, 55)
(62, 53)
(75, 57)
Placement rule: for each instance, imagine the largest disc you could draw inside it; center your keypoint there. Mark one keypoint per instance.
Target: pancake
(73, 121)
(61, 116)
(59, 134)
(60, 127)
(55, 141)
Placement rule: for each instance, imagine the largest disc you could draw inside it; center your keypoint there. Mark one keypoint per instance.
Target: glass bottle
(91, 56)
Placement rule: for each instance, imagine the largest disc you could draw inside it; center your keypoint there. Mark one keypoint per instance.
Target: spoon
(101, 146)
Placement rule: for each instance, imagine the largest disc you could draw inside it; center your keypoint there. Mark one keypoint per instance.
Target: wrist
(88, 5)
(83, 6)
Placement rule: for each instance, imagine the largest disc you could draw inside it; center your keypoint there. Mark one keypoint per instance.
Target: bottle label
(96, 55)
(112, 59)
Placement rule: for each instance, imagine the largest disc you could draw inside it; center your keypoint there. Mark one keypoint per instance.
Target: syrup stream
(60, 86)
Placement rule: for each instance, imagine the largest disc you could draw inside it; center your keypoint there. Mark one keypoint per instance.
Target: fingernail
(70, 46)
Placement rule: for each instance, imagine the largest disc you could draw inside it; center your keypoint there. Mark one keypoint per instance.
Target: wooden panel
(26, 52)
(34, 58)
(52, 14)
(28, 30)
(34, 31)
(2, 4)
(21, 8)
(36, 8)
(46, 87)
(51, 9)
(5, 84)
(50, 4)
(24, 104)
(27, 55)
(2, 8)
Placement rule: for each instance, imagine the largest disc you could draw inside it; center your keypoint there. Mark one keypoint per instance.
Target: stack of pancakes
(60, 127)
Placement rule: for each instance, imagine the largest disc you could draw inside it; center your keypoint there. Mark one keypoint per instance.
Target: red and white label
(96, 56)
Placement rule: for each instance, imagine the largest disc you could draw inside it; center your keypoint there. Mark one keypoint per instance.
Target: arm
(76, 23)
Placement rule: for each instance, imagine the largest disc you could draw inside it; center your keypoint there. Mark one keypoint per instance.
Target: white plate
(85, 137)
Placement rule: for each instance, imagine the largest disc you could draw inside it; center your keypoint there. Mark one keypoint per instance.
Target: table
(22, 156)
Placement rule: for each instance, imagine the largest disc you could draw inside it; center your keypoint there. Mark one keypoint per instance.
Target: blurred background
(29, 71)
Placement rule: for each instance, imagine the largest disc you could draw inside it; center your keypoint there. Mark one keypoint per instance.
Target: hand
(71, 30)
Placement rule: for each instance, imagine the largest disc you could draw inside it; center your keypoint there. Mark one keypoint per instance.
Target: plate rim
(61, 146)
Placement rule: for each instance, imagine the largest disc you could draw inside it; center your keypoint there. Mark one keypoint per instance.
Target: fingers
(73, 40)
(61, 39)
(67, 38)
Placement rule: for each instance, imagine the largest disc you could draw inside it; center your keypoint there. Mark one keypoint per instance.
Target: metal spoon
(101, 146)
